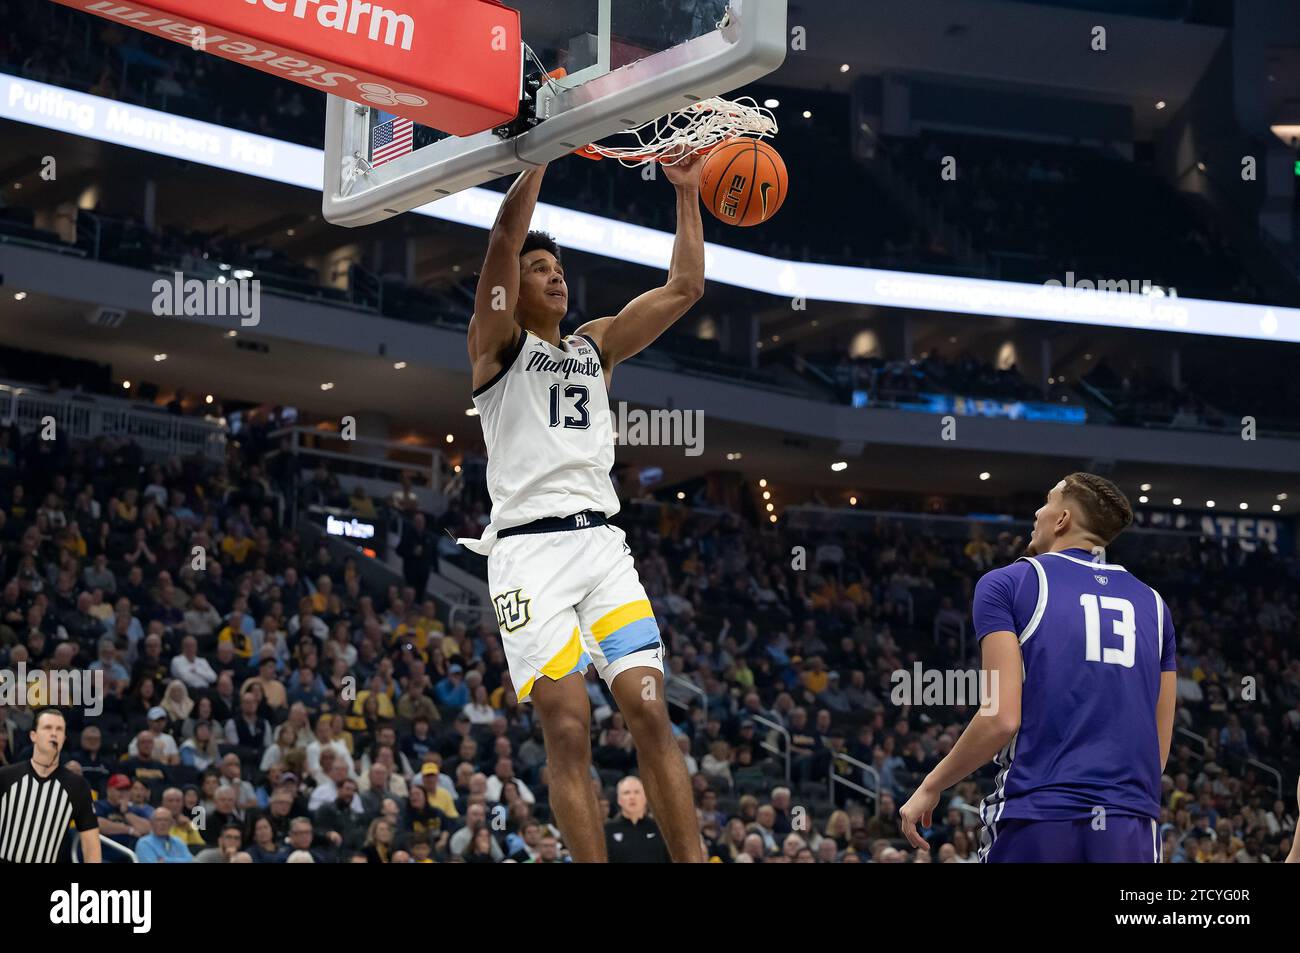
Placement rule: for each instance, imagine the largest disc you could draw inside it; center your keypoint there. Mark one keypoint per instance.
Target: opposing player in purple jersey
(1080, 660)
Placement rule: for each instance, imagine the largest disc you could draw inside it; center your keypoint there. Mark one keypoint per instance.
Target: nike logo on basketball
(762, 191)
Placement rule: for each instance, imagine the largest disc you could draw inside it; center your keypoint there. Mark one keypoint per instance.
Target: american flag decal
(391, 139)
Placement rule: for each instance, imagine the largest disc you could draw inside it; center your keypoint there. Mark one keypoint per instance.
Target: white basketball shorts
(568, 599)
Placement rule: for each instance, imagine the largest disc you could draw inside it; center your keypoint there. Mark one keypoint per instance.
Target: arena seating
(95, 564)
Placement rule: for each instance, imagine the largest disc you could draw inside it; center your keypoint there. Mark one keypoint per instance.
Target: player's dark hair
(540, 241)
(1104, 508)
(47, 710)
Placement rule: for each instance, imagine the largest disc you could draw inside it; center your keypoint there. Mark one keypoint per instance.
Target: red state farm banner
(452, 65)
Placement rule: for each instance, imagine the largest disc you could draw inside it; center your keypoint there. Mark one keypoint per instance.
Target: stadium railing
(1199, 739)
(81, 416)
(685, 691)
(868, 773)
(767, 745)
(1277, 775)
(468, 613)
(109, 846)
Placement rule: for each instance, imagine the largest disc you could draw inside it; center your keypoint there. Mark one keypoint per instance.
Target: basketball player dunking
(563, 583)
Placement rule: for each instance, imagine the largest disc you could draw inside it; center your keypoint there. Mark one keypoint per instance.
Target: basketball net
(701, 127)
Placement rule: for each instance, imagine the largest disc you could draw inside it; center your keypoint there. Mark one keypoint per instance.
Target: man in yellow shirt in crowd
(438, 795)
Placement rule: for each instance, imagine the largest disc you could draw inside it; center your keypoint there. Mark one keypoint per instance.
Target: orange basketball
(744, 182)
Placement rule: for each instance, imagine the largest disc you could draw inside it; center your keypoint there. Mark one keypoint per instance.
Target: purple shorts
(1124, 840)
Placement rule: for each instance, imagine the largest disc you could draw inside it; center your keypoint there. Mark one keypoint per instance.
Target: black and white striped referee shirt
(35, 811)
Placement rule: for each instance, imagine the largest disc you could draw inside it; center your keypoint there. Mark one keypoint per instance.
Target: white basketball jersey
(549, 435)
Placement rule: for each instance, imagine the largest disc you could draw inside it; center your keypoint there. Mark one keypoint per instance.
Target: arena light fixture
(772, 103)
(1142, 499)
(807, 114)
(1277, 508)
(20, 295)
(1178, 501)
(772, 518)
(207, 399)
(399, 366)
(159, 358)
(1243, 506)
(767, 494)
(770, 507)
(681, 495)
(853, 501)
(232, 334)
(1209, 504)
(839, 466)
(126, 385)
(471, 412)
(451, 438)
(456, 468)
(242, 273)
(1146, 487)
(1281, 497)
(1161, 105)
(844, 68)
(764, 483)
(328, 385)
(985, 475)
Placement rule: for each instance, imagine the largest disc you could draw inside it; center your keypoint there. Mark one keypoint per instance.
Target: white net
(703, 125)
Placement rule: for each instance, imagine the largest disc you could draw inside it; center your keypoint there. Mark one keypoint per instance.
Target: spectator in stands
(226, 845)
(196, 672)
(201, 751)
(249, 730)
(265, 848)
(231, 777)
(451, 692)
(340, 814)
(118, 819)
(160, 846)
(379, 842)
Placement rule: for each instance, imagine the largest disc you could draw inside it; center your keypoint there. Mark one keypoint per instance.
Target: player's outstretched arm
(493, 328)
(993, 726)
(639, 324)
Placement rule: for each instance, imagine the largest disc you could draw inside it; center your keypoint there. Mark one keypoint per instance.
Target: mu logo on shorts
(512, 610)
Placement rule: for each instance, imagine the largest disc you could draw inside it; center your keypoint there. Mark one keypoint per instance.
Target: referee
(39, 797)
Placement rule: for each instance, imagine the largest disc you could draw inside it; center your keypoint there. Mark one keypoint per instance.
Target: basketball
(744, 182)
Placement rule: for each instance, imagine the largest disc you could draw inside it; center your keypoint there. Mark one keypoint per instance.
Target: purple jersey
(1094, 640)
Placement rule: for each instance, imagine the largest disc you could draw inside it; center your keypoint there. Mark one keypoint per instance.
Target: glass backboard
(626, 62)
